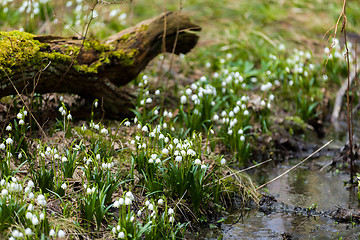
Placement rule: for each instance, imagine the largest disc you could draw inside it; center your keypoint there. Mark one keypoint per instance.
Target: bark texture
(44, 64)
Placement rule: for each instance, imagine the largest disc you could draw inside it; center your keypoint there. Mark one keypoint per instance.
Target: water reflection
(302, 187)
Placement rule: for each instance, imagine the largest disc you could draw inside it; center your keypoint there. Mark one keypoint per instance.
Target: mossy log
(90, 68)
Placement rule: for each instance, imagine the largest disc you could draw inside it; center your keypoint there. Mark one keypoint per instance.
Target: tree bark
(91, 69)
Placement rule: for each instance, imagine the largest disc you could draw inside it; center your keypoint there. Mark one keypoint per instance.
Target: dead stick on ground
(286, 172)
(243, 170)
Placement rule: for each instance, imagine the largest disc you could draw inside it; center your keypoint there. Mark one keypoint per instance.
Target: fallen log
(89, 68)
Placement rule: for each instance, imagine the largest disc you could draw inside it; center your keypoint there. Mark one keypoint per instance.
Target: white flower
(19, 116)
(28, 215)
(121, 235)
(2, 146)
(31, 195)
(4, 192)
(170, 211)
(9, 141)
(242, 138)
(203, 166)
(116, 204)
(64, 159)
(104, 131)
(145, 129)
(30, 207)
(197, 161)
(151, 207)
(96, 104)
(139, 213)
(178, 158)
(64, 186)
(130, 195)
(246, 112)
(15, 233)
(52, 233)
(61, 233)
(160, 201)
(127, 123)
(223, 161)
(157, 92)
(8, 128)
(34, 220)
(41, 200)
(171, 219)
(69, 117)
(42, 216)
(188, 91)
(281, 47)
(30, 184)
(127, 201)
(165, 151)
(183, 99)
(147, 203)
(148, 100)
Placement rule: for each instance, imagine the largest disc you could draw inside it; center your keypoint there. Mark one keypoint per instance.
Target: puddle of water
(261, 226)
(303, 187)
(307, 185)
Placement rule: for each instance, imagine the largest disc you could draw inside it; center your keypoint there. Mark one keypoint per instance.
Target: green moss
(96, 45)
(295, 124)
(143, 27)
(17, 49)
(125, 37)
(20, 49)
(126, 58)
(71, 49)
(56, 56)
